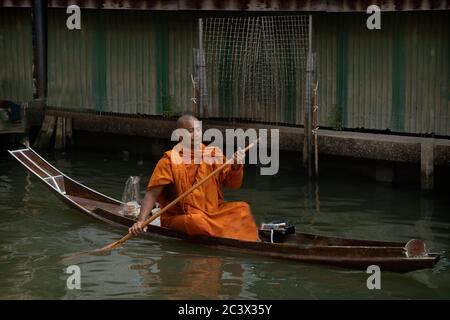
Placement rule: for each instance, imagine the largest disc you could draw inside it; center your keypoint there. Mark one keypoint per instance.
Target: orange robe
(203, 212)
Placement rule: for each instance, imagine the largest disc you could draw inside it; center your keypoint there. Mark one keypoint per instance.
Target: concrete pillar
(384, 171)
(427, 164)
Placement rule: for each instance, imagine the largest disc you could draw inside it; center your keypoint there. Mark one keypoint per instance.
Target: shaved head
(193, 126)
(181, 122)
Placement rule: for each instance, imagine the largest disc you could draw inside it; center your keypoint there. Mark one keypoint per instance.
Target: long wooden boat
(303, 247)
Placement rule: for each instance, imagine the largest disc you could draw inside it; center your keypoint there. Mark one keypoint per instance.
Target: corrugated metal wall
(121, 61)
(396, 78)
(16, 82)
(427, 75)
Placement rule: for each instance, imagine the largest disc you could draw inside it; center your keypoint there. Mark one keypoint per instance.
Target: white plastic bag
(131, 198)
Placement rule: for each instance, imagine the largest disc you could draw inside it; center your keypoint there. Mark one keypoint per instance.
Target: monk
(203, 212)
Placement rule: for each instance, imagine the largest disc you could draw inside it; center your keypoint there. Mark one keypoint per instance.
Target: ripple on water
(37, 231)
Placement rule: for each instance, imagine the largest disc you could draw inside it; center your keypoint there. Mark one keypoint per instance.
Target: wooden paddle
(119, 242)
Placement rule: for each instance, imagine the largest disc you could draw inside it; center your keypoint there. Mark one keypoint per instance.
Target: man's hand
(238, 157)
(137, 228)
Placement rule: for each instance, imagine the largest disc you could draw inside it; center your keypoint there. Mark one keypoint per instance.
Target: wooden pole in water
(201, 77)
(194, 98)
(60, 134)
(315, 130)
(46, 132)
(69, 136)
(308, 117)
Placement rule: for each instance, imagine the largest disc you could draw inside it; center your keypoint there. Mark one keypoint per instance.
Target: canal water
(37, 230)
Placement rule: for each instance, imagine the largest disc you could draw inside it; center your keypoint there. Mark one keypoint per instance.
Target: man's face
(194, 128)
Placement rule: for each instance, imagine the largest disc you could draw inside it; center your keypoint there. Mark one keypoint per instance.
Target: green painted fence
(134, 62)
(16, 82)
(396, 78)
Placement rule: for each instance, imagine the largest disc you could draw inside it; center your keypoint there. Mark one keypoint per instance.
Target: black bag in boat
(276, 231)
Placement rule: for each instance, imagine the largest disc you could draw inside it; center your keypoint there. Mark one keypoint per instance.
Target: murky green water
(36, 230)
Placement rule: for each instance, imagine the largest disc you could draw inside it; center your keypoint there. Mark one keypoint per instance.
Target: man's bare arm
(147, 205)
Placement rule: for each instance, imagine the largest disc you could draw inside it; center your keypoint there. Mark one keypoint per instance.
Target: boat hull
(302, 247)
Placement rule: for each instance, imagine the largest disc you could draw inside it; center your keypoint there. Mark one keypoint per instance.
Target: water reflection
(424, 222)
(27, 194)
(312, 199)
(193, 277)
(36, 229)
